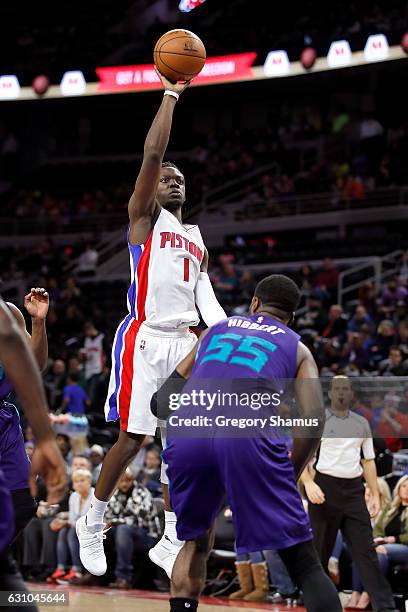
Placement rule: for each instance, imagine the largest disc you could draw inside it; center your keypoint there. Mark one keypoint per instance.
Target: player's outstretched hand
(37, 303)
(178, 88)
(314, 493)
(47, 461)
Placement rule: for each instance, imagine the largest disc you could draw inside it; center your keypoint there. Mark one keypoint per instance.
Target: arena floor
(108, 600)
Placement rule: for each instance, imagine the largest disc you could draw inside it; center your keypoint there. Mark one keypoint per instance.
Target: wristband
(171, 93)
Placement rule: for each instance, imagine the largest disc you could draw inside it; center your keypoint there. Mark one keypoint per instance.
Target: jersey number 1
(186, 269)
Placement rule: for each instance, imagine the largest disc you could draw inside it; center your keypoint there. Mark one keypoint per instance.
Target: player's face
(341, 394)
(171, 192)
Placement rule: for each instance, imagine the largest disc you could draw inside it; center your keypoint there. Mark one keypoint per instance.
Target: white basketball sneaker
(164, 554)
(91, 550)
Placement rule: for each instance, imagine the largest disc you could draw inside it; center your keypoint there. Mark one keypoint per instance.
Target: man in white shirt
(336, 493)
(94, 353)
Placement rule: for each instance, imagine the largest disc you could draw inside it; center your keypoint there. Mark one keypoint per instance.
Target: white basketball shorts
(141, 358)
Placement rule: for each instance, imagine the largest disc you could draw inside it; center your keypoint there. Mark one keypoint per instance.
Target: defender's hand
(37, 303)
(47, 461)
(178, 88)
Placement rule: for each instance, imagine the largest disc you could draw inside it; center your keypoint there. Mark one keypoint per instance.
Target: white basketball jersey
(164, 273)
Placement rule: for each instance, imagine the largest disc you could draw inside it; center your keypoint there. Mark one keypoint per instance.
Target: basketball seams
(176, 71)
(176, 38)
(182, 54)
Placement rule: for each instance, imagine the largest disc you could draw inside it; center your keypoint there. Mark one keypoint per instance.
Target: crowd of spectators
(345, 156)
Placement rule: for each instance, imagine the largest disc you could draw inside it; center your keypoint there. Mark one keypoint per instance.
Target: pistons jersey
(164, 273)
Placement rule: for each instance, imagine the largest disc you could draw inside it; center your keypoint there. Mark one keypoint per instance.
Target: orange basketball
(179, 55)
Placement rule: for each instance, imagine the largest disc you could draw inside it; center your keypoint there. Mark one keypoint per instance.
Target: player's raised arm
(21, 369)
(143, 206)
(37, 304)
(309, 400)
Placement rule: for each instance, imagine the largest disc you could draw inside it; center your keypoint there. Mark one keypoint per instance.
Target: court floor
(95, 599)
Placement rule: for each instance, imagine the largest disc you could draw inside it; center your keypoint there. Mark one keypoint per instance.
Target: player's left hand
(37, 303)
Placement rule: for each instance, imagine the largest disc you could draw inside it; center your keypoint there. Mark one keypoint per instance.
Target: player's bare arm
(159, 403)
(17, 358)
(309, 399)
(143, 205)
(36, 302)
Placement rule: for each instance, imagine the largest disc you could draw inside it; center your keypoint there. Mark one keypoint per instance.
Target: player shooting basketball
(169, 280)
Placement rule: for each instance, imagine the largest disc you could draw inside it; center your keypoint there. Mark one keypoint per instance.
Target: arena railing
(239, 206)
(376, 270)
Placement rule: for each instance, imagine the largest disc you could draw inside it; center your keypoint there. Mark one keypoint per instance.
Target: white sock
(170, 528)
(94, 516)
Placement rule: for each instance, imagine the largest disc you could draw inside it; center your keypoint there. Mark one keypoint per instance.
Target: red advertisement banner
(143, 76)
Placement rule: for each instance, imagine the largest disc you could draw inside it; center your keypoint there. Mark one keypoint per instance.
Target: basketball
(179, 55)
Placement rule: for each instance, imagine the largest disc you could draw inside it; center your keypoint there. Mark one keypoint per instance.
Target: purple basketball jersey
(254, 472)
(256, 347)
(5, 384)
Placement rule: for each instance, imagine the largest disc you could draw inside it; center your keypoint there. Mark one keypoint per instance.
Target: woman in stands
(391, 533)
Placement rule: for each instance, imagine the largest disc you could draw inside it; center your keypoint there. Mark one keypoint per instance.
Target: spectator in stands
(393, 424)
(96, 455)
(227, 284)
(54, 383)
(403, 338)
(149, 475)
(391, 529)
(306, 278)
(327, 278)
(67, 544)
(94, 354)
(136, 527)
(384, 341)
(315, 318)
(64, 444)
(88, 261)
(391, 296)
(354, 352)
(75, 399)
(79, 462)
(76, 367)
(336, 327)
(360, 318)
(393, 365)
(71, 290)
